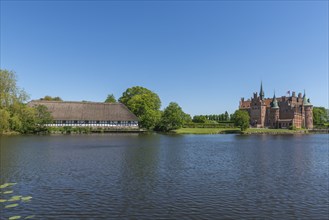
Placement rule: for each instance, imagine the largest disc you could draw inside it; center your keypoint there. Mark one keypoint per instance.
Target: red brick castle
(283, 112)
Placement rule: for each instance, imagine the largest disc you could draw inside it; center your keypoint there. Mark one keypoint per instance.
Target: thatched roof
(87, 110)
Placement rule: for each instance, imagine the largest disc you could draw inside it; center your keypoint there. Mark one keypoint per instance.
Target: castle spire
(261, 93)
(274, 103)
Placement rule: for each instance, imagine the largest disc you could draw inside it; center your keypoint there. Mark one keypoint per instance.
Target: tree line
(17, 116)
(146, 104)
(225, 117)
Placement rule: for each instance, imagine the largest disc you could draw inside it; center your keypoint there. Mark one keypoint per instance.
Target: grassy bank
(237, 131)
(10, 133)
(206, 131)
(274, 131)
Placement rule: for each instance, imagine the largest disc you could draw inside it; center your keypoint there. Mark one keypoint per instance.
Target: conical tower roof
(306, 101)
(274, 104)
(261, 93)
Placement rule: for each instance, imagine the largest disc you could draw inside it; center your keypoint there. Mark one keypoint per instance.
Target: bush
(69, 129)
(292, 127)
(322, 126)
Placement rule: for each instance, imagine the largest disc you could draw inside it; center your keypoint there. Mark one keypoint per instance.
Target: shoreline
(249, 131)
(184, 131)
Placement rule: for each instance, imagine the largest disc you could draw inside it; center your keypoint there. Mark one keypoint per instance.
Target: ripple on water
(169, 177)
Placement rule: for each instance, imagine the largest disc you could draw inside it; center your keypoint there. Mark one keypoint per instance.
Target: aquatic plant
(15, 217)
(7, 201)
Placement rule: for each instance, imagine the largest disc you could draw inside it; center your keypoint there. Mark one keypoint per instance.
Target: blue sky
(204, 55)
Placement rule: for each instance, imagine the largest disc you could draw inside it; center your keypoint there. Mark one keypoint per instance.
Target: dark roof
(87, 110)
(274, 103)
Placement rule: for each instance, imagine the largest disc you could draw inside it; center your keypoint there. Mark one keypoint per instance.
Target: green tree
(172, 118)
(49, 98)
(15, 115)
(110, 99)
(199, 119)
(28, 119)
(43, 115)
(320, 115)
(15, 123)
(144, 103)
(4, 120)
(9, 92)
(57, 98)
(226, 118)
(187, 118)
(241, 119)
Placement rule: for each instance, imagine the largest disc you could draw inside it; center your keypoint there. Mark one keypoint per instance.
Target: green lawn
(206, 130)
(273, 131)
(236, 130)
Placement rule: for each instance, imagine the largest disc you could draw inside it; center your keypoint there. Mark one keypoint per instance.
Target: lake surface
(132, 176)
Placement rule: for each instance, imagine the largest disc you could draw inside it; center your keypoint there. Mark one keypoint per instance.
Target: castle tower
(308, 109)
(261, 93)
(262, 106)
(274, 113)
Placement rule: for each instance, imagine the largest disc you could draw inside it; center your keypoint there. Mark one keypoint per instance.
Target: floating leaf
(29, 217)
(3, 200)
(14, 198)
(11, 206)
(8, 192)
(26, 199)
(11, 184)
(4, 185)
(15, 217)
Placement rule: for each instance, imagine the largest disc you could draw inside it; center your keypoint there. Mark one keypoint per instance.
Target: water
(131, 176)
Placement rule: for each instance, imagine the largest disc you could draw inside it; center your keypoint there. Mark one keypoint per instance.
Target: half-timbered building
(88, 114)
